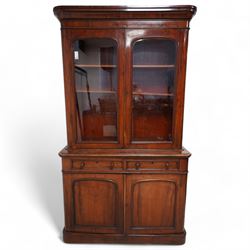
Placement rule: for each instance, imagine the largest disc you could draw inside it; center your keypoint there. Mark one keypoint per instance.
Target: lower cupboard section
(124, 205)
(94, 203)
(155, 203)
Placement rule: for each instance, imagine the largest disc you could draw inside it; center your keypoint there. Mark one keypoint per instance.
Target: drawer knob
(82, 165)
(137, 165)
(166, 165)
(112, 165)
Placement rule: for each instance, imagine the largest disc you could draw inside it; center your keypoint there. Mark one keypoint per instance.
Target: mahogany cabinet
(124, 168)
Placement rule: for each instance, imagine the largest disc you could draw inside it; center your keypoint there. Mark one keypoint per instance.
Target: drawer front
(153, 165)
(82, 164)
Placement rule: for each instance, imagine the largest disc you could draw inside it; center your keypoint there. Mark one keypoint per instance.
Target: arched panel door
(95, 203)
(155, 203)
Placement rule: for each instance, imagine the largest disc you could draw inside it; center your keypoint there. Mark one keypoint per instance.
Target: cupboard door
(154, 74)
(155, 203)
(95, 86)
(94, 203)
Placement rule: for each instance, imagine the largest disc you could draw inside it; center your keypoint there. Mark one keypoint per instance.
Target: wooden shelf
(95, 65)
(134, 66)
(153, 93)
(96, 91)
(113, 92)
(153, 66)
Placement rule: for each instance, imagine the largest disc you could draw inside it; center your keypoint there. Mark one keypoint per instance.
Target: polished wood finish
(155, 203)
(124, 168)
(94, 203)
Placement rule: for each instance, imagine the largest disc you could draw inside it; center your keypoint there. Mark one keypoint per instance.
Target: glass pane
(153, 89)
(96, 89)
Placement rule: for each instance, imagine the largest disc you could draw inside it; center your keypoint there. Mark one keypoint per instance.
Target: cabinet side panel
(68, 86)
(180, 88)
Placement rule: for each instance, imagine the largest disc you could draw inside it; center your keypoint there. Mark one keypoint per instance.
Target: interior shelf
(113, 92)
(153, 66)
(134, 66)
(96, 91)
(95, 65)
(153, 93)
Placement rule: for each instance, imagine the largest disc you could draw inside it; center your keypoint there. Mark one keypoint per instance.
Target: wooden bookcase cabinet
(124, 168)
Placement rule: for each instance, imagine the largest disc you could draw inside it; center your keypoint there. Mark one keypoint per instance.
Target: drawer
(82, 164)
(153, 165)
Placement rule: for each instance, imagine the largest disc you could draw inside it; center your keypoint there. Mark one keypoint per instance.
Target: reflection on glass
(96, 89)
(153, 89)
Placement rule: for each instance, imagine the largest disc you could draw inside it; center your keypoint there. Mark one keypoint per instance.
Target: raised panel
(154, 203)
(95, 202)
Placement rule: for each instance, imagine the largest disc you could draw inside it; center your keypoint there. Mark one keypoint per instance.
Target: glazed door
(94, 203)
(155, 203)
(154, 88)
(95, 85)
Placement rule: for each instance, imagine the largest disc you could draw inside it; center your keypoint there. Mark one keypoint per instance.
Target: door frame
(69, 181)
(179, 207)
(180, 36)
(68, 38)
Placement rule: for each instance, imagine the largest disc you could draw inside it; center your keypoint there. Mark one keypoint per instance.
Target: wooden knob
(82, 164)
(137, 165)
(112, 165)
(166, 165)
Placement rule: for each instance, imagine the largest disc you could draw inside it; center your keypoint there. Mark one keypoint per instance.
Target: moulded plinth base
(79, 237)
